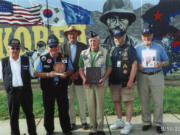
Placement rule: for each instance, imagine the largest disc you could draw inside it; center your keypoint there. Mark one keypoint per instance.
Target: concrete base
(171, 126)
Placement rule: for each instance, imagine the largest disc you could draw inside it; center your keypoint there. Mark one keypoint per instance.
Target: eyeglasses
(54, 46)
(15, 48)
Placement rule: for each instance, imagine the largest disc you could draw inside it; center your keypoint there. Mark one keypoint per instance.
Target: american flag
(16, 15)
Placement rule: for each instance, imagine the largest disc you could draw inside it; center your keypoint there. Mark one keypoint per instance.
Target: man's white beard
(117, 44)
(147, 43)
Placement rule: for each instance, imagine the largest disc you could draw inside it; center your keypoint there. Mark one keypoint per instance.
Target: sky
(91, 5)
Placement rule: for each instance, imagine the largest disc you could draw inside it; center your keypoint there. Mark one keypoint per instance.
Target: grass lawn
(171, 103)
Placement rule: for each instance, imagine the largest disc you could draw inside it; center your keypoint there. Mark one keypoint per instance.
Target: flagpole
(47, 17)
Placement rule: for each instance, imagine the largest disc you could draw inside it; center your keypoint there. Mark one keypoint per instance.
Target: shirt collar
(11, 60)
(73, 43)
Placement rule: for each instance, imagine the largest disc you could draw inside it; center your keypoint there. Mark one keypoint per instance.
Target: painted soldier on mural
(117, 15)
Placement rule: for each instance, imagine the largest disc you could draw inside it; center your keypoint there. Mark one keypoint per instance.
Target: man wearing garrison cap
(99, 58)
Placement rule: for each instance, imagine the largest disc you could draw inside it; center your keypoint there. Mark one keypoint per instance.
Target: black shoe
(49, 133)
(146, 127)
(159, 129)
(101, 133)
(73, 126)
(92, 133)
(85, 126)
(68, 133)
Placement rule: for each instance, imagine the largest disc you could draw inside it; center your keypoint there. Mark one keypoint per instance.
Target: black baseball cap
(14, 42)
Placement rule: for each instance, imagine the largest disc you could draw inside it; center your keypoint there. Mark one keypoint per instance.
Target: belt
(151, 73)
(18, 88)
(56, 83)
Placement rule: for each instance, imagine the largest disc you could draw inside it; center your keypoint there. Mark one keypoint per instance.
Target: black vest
(121, 65)
(47, 65)
(25, 74)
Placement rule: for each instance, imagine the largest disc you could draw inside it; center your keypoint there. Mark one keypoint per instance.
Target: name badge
(64, 60)
(25, 67)
(118, 63)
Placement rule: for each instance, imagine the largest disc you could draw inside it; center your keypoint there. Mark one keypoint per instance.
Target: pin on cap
(146, 31)
(92, 34)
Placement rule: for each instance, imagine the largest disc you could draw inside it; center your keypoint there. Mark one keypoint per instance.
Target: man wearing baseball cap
(54, 85)
(150, 80)
(16, 72)
(122, 78)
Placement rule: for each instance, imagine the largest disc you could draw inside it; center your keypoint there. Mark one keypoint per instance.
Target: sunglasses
(54, 46)
(15, 48)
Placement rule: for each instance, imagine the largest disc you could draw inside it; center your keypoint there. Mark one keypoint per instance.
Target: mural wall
(162, 16)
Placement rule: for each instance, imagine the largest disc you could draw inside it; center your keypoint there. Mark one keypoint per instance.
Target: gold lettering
(4, 41)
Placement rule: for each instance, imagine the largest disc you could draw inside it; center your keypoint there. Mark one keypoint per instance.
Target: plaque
(93, 75)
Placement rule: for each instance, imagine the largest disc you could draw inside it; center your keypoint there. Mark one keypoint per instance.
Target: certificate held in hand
(93, 75)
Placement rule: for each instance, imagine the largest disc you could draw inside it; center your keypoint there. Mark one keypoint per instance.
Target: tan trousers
(95, 100)
(151, 85)
(78, 91)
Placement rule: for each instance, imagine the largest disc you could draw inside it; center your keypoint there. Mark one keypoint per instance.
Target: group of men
(62, 72)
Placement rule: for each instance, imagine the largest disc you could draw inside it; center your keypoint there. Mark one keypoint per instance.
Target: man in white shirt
(16, 72)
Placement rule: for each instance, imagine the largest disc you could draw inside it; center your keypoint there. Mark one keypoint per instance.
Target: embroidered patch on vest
(43, 58)
(49, 61)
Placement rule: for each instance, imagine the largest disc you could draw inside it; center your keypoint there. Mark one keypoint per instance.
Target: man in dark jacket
(73, 49)
(16, 72)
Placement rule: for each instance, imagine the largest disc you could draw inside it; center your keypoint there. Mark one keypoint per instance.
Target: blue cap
(146, 31)
(92, 34)
(118, 32)
(52, 41)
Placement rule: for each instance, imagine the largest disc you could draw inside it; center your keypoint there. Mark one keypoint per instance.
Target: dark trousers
(19, 97)
(58, 93)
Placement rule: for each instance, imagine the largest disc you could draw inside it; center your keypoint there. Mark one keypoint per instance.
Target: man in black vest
(54, 69)
(16, 74)
(124, 66)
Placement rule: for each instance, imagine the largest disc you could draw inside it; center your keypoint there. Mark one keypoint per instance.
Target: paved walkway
(171, 125)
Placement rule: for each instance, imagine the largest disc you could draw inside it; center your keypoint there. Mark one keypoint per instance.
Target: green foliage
(171, 103)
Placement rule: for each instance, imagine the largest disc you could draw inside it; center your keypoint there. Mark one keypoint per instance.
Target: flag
(55, 16)
(75, 14)
(14, 14)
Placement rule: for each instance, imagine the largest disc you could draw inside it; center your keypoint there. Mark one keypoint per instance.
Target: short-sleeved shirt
(160, 55)
(93, 56)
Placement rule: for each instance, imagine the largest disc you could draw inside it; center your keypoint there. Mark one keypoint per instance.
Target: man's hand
(140, 67)
(52, 74)
(130, 84)
(158, 64)
(74, 76)
(84, 83)
(101, 82)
